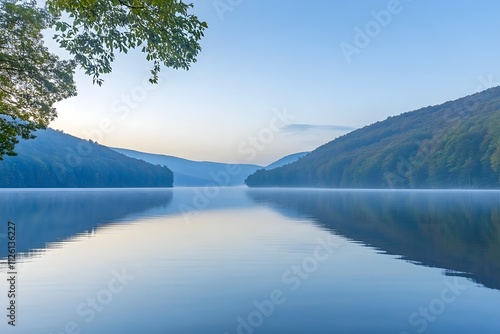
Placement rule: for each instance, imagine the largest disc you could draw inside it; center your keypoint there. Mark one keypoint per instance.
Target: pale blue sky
(263, 57)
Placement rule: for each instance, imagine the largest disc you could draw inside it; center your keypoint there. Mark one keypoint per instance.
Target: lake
(237, 260)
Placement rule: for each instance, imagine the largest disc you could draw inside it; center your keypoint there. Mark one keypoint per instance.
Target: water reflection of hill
(44, 216)
(459, 231)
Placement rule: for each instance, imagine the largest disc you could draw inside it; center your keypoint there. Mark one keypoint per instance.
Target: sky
(276, 77)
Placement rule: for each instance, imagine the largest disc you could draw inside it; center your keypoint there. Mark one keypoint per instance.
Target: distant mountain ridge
(189, 173)
(452, 145)
(58, 160)
(286, 160)
(55, 159)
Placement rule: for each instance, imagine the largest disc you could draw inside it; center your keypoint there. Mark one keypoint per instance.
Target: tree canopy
(32, 78)
(163, 29)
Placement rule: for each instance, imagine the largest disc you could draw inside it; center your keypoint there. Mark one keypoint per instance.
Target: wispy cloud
(313, 127)
(307, 137)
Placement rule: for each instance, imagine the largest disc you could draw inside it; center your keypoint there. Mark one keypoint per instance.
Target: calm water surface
(253, 261)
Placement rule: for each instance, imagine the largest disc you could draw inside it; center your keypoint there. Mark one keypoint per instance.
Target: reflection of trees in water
(459, 231)
(51, 216)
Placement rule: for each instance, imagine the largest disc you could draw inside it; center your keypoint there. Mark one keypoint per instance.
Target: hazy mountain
(55, 159)
(286, 160)
(452, 145)
(188, 173)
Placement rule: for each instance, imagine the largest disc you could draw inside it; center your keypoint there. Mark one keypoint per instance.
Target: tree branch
(130, 6)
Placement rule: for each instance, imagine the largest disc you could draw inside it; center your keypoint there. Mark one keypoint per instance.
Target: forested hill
(55, 159)
(452, 145)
